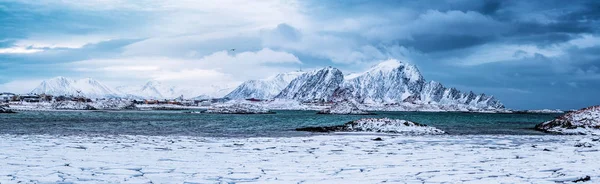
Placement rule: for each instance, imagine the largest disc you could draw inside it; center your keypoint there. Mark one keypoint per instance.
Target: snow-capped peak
(87, 87)
(150, 90)
(409, 71)
(264, 88)
(317, 85)
(387, 65)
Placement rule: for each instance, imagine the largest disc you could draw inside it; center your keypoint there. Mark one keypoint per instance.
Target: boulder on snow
(344, 107)
(240, 108)
(4, 109)
(583, 122)
(586, 143)
(380, 125)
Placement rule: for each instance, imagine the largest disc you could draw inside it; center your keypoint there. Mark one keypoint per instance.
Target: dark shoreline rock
(582, 122)
(5, 110)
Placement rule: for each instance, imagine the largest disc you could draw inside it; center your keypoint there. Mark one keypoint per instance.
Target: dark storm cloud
(529, 22)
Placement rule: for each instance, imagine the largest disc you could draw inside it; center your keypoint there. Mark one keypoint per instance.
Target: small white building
(6, 97)
(205, 103)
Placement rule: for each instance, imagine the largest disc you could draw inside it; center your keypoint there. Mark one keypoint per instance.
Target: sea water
(281, 124)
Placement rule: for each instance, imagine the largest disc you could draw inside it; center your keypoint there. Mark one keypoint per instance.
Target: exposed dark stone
(373, 125)
(582, 118)
(584, 179)
(4, 109)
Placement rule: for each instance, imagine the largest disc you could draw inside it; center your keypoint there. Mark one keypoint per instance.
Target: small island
(379, 125)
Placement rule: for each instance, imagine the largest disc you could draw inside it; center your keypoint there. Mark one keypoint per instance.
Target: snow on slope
(87, 87)
(584, 121)
(435, 93)
(313, 86)
(151, 90)
(265, 88)
(390, 81)
(393, 81)
(159, 90)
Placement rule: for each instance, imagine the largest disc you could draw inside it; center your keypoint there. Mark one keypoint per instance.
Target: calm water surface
(273, 125)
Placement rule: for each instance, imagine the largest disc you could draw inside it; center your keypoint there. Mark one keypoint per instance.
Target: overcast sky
(529, 54)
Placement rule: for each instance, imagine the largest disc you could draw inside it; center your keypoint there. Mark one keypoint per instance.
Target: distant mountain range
(264, 88)
(151, 90)
(389, 82)
(86, 87)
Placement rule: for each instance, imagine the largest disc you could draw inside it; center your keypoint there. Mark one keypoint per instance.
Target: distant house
(46, 98)
(81, 99)
(254, 100)
(62, 98)
(30, 98)
(220, 100)
(6, 97)
(151, 101)
(188, 103)
(203, 102)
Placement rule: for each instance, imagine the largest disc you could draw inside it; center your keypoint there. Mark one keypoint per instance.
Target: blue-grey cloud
(530, 54)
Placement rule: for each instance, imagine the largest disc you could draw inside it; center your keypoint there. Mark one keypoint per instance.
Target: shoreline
(312, 159)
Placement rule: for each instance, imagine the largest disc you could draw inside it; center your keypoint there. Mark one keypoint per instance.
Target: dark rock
(583, 121)
(584, 179)
(4, 109)
(383, 125)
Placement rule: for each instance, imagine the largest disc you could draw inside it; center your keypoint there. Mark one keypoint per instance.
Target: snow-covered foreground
(317, 159)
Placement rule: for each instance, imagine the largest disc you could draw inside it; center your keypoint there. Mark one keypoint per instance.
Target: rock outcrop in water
(4, 109)
(344, 107)
(584, 121)
(240, 108)
(379, 125)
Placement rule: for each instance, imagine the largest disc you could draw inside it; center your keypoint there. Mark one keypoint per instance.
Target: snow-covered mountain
(389, 82)
(436, 93)
(158, 90)
(264, 88)
(216, 91)
(313, 86)
(393, 81)
(150, 90)
(87, 87)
